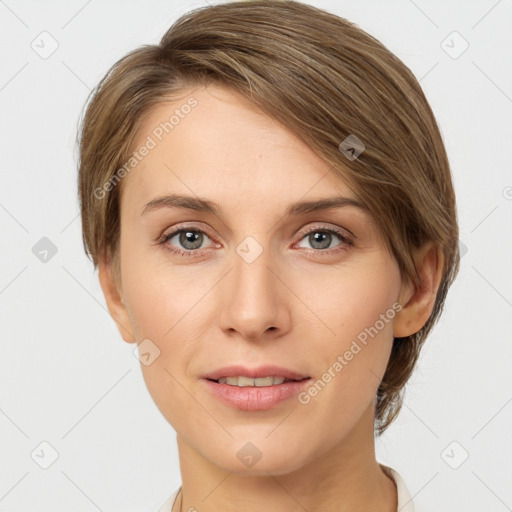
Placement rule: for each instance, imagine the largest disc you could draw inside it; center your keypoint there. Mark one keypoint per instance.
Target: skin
(213, 309)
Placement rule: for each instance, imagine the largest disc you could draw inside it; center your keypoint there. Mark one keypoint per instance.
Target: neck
(346, 477)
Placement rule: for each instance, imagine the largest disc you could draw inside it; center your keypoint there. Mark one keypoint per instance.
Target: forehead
(213, 142)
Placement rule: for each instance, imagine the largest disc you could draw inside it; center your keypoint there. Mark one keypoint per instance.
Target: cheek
(343, 302)
(354, 312)
(159, 295)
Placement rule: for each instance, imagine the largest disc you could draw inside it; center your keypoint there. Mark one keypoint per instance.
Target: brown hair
(325, 79)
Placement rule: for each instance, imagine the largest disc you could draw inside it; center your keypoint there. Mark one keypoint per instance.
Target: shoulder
(405, 502)
(169, 502)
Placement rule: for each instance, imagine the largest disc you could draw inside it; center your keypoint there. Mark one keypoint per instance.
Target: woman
(269, 204)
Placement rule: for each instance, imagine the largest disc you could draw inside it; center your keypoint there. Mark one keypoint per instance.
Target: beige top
(405, 503)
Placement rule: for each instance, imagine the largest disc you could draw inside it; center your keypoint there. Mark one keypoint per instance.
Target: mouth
(261, 376)
(255, 393)
(255, 388)
(244, 381)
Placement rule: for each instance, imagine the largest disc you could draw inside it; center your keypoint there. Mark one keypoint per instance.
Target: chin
(259, 458)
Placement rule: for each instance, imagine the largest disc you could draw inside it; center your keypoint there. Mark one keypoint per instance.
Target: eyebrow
(204, 205)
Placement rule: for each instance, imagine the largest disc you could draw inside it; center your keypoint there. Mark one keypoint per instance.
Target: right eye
(189, 238)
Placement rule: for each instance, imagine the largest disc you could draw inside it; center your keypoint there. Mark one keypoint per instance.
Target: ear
(418, 301)
(114, 299)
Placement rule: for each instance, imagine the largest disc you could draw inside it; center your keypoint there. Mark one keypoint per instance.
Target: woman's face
(248, 283)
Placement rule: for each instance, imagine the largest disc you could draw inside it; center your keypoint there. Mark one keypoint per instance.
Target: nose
(255, 300)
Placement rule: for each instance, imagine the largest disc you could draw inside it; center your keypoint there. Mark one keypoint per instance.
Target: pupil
(191, 239)
(324, 239)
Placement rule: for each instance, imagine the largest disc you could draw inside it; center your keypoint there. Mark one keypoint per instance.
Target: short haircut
(328, 82)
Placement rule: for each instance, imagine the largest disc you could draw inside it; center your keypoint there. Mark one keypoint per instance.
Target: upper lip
(259, 371)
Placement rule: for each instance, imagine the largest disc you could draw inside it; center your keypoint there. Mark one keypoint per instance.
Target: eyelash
(345, 240)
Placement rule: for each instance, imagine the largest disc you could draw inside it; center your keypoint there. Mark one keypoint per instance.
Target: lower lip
(252, 398)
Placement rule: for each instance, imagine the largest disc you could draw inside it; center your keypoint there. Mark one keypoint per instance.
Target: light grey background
(68, 379)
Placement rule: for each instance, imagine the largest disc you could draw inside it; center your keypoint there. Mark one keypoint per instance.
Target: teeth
(243, 381)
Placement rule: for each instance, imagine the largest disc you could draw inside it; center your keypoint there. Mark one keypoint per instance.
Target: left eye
(321, 238)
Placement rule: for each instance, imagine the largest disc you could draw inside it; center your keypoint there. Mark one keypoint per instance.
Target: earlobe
(114, 300)
(418, 301)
